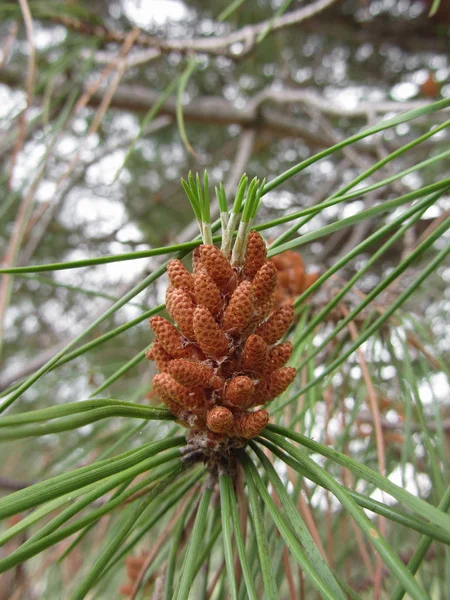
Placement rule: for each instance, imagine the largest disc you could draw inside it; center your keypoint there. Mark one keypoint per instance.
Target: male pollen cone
(181, 308)
(255, 354)
(217, 265)
(207, 293)
(217, 382)
(219, 419)
(279, 355)
(167, 335)
(179, 276)
(159, 355)
(221, 358)
(168, 388)
(210, 337)
(277, 325)
(265, 281)
(256, 254)
(189, 372)
(249, 425)
(310, 278)
(240, 309)
(279, 381)
(273, 385)
(293, 278)
(239, 391)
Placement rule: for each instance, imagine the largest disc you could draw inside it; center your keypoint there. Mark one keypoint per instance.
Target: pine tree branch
(220, 45)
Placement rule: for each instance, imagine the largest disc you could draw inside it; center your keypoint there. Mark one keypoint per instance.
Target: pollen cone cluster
(221, 362)
(293, 278)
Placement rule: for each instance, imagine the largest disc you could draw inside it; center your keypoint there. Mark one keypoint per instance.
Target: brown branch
(222, 45)
(412, 35)
(8, 43)
(23, 212)
(256, 114)
(31, 77)
(259, 112)
(322, 105)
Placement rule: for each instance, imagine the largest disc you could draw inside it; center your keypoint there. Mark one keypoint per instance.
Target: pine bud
(181, 308)
(168, 335)
(265, 281)
(249, 425)
(239, 391)
(219, 419)
(171, 390)
(190, 373)
(277, 325)
(240, 308)
(210, 337)
(218, 267)
(207, 293)
(254, 355)
(279, 355)
(280, 380)
(179, 276)
(159, 355)
(255, 255)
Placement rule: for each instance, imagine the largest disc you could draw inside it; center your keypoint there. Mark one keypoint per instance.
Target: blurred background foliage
(250, 105)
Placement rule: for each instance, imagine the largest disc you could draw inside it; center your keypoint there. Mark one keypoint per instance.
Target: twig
(106, 101)
(9, 42)
(109, 58)
(247, 35)
(31, 76)
(289, 574)
(218, 110)
(15, 241)
(324, 106)
(305, 511)
(104, 104)
(25, 206)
